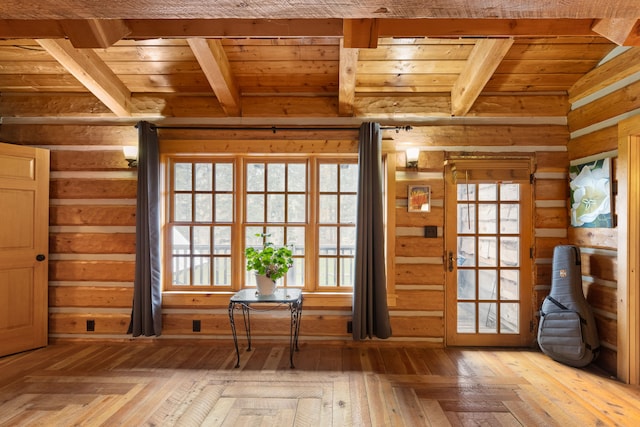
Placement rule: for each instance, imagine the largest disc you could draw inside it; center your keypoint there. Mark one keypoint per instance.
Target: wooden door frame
(628, 210)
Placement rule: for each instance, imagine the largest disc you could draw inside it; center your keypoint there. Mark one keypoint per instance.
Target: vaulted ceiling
(403, 60)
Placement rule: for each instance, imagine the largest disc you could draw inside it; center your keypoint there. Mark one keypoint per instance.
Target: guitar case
(567, 331)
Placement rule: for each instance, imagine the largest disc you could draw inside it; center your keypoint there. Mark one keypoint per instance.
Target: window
(218, 206)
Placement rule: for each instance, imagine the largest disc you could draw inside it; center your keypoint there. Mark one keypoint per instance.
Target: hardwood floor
(165, 383)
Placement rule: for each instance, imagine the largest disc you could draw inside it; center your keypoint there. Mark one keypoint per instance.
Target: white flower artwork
(590, 185)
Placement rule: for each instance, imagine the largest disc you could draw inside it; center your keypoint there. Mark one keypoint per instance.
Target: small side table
(247, 299)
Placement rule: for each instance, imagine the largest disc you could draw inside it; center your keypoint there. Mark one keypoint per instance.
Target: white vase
(266, 286)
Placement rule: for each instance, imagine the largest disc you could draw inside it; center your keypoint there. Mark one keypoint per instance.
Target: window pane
(328, 178)
(467, 192)
(201, 271)
(275, 208)
(295, 275)
(487, 318)
(180, 240)
(487, 191)
(466, 317)
(466, 251)
(348, 241)
(201, 240)
(222, 240)
(251, 237)
(181, 267)
(297, 179)
(182, 207)
(347, 273)
(487, 218)
(509, 218)
(255, 208)
(255, 177)
(224, 176)
(487, 284)
(509, 318)
(275, 177)
(182, 173)
(466, 284)
(203, 208)
(275, 235)
(204, 176)
(509, 285)
(328, 209)
(487, 252)
(296, 208)
(466, 218)
(510, 251)
(224, 208)
(328, 270)
(221, 271)
(328, 240)
(296, 238)
(349, 178)
(509, 192)
(348, 209)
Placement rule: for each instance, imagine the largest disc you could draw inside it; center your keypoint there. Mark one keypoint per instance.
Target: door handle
(40, 257)
(450, 261)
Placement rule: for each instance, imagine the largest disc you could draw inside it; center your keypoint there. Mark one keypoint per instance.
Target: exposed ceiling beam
(618, 30)
(277, 9)
(360, 33)
(347, 84)
(94, 33)
(215, 65)
(225, 28)
(480, 66)
(86, 66)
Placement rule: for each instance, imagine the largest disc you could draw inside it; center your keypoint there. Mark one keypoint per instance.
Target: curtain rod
(274, 129)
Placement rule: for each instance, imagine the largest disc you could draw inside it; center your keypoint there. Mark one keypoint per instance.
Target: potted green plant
(269, 264)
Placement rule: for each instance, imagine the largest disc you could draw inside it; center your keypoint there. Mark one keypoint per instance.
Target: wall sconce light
(412, 157)
(131, 155)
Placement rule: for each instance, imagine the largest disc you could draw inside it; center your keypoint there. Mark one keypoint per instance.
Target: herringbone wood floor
(167, 383)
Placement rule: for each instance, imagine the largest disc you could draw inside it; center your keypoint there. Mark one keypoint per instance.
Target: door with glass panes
(487, 256)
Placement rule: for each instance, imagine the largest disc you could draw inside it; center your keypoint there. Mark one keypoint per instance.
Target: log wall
(599, 103)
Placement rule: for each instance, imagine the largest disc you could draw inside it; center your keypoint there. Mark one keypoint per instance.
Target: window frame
(238, 224)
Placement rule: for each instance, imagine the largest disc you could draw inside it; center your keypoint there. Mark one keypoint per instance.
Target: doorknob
(40, 257)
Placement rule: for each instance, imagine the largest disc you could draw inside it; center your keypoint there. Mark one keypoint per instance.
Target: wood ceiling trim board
(93, 73)
(347, 80)
(215, 65)
(360, 33)
(482, 63)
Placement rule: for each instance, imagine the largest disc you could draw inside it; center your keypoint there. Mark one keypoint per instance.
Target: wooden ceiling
(228, 59)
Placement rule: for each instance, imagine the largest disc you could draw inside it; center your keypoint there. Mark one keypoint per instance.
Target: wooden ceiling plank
(215, 65)
(93, 73)
(482, 63)
(94, 33)
(347, 80)
(618, 30)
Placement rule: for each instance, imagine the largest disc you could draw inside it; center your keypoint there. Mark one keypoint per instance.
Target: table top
(281, 295)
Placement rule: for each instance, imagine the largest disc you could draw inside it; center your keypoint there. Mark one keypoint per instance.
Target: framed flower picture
(591, 192)
(419, 198)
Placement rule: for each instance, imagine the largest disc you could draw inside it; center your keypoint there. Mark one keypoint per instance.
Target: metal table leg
(233, 331)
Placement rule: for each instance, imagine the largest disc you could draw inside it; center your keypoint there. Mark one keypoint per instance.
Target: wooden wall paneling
(110, 215)
(419, 246)
(601, 298)
(418, 326)
(612, 105)
(92, 243)
(551, 189)
(69, 134)
(421, 274)
(114, 324)
(81, 271)
(600, 266)
(74, 188)
(556, 217)
(90, 296)
(88, 160)
(605, 238)
(415, 299)
(600, 141)
(260, 106)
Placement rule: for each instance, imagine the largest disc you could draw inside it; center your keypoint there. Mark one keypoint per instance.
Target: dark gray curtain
(370, 311)
(146, 317)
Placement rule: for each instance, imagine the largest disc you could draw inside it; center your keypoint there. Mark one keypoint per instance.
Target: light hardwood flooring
(164, 383)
